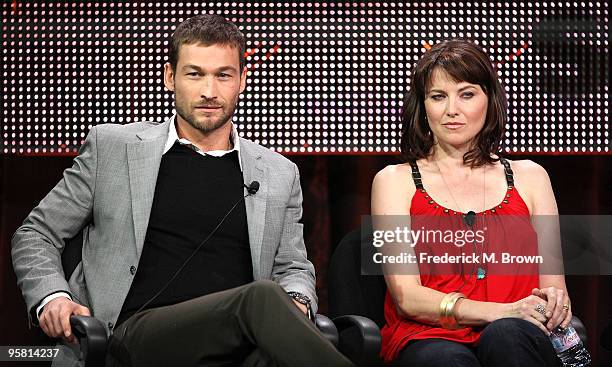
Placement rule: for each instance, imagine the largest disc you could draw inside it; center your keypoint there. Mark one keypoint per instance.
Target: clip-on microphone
(469, 218)
(252, 188)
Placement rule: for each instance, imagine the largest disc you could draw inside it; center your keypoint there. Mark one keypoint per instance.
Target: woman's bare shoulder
(528, 169)
(391, 186)
(396, 175)
(532, 181)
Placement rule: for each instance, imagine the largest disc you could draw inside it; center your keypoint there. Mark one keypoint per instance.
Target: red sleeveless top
(503, 288)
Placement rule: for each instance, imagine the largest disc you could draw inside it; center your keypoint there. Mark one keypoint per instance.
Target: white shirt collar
(173, 138)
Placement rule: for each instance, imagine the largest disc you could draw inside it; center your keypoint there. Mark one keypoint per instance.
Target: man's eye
(224, 75)
(192, 74)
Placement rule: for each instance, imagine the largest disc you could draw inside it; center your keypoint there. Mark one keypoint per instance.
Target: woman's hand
(527, 309)
(558, 306)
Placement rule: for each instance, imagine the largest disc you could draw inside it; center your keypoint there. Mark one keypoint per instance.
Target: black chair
(352, 293)
(93, 340)
(91, 332)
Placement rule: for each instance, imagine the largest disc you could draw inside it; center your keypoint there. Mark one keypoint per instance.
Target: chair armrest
(580, 329)
(327, 328)
(91, 334)
(360, 339)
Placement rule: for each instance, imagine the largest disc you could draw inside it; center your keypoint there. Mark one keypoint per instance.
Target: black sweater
(192, 194)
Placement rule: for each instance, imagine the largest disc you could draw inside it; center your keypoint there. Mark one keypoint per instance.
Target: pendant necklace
(481, 272)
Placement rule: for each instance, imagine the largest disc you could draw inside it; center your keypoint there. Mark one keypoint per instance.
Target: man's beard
(213, 123)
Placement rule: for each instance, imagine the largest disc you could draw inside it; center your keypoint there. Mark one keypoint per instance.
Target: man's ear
(243, 79)
(169, 77)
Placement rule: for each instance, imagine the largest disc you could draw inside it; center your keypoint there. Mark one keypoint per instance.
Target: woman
(453, 122)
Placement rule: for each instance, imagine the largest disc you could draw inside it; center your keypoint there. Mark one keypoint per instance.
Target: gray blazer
(108, 192)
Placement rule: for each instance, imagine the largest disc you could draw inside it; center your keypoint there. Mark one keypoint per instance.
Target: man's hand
(55, 318)
(302, 307)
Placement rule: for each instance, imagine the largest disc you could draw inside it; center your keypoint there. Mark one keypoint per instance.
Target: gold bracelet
(447, 317)
(447, 305)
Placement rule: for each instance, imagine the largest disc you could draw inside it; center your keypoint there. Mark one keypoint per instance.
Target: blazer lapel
(144, 157)
(254, 169)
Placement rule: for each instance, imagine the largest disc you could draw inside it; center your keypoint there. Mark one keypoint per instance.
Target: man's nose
(208, 89)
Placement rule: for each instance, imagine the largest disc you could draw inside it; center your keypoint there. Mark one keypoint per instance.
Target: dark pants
(503, 343)
(253, 325)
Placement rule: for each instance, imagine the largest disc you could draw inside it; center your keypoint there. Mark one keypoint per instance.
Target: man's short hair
(208, 30)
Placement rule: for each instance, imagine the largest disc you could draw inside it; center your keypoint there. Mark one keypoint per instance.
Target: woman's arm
(533, 180)
(392, 190)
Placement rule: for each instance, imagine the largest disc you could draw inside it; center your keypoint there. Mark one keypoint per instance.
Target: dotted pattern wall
(323, 77)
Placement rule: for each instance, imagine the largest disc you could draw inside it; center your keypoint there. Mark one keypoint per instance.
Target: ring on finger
(540, 309)
(566, 307)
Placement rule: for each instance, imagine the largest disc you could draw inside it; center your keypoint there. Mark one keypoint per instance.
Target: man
(181, 263)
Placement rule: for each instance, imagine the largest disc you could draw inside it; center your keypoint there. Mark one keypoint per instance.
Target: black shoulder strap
(416, 176)
(508, 170)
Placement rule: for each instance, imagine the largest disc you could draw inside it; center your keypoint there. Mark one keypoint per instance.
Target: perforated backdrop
(323, 77)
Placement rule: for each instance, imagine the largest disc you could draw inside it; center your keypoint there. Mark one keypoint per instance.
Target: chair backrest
(350, 292)
(72, 254)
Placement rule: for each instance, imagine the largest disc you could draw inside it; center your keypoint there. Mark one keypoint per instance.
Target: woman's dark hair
(207, 29)
(463, 61)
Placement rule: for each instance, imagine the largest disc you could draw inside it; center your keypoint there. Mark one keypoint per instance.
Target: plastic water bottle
(569, 347)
